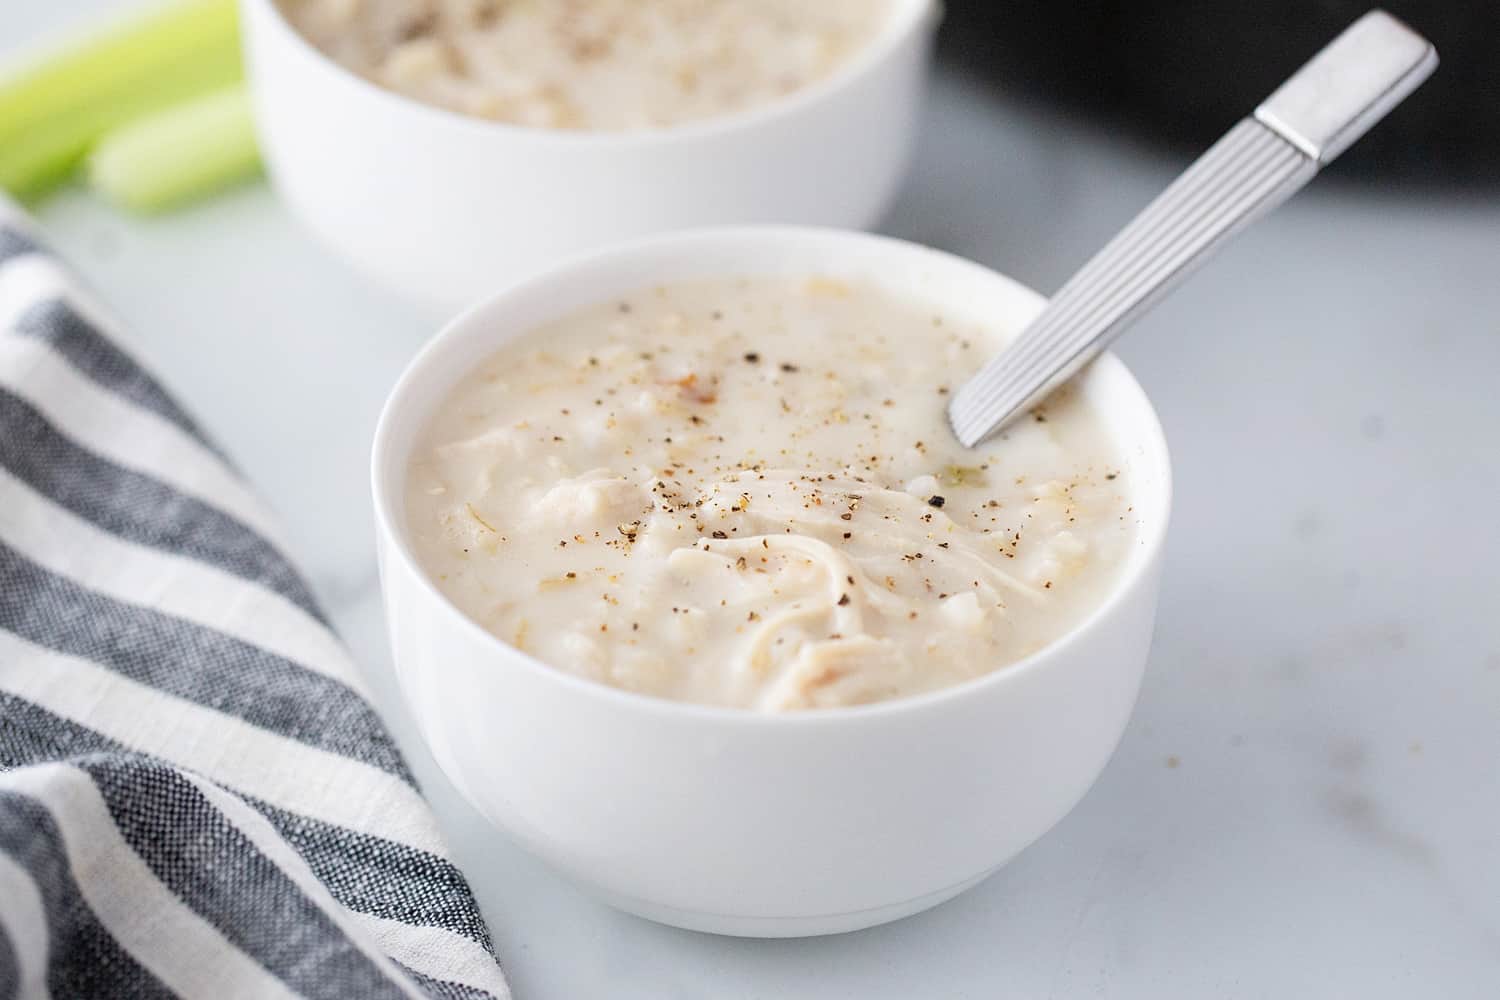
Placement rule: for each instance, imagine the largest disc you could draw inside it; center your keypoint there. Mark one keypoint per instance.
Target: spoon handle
(1258, 164)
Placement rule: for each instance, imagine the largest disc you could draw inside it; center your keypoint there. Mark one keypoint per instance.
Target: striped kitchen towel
(196, 797)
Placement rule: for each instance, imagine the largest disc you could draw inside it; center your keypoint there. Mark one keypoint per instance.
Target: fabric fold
(197, 798)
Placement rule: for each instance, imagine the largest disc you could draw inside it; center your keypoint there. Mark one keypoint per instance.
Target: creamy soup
(745, 493)
(591, 64)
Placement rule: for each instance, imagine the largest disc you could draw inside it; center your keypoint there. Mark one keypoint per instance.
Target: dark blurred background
(1180, 72)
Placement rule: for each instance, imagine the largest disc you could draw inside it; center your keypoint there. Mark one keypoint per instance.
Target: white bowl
(446, 207)
(726, 820)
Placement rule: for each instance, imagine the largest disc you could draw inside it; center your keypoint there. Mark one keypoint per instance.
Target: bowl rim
(394, 541)
(910, 17)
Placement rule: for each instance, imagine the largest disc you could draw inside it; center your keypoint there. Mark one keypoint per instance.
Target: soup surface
(591, 64)
(745, 493)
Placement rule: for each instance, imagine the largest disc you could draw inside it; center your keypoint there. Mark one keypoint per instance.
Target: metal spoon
(1265, 159)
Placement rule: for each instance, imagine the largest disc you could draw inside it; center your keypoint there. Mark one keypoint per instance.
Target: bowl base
(786, 927)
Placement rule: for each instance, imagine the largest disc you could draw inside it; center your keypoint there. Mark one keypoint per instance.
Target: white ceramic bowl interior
(446, 208)
(726, 820)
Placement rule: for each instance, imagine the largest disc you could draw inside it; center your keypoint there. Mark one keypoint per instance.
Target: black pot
(1182, 71)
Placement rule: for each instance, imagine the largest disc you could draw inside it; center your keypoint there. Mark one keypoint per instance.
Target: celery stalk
(54, 107)
(44, 157)
(47, 152)
(179, 154)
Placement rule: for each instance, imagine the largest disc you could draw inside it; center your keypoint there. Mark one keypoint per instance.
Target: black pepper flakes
(936, 501)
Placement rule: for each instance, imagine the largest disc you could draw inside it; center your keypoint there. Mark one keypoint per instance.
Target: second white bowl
(446, 207)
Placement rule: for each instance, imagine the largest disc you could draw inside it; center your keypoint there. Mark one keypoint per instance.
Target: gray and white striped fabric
(197, 798)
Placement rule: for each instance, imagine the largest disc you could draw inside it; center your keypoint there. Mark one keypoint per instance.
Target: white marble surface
(1307, 802)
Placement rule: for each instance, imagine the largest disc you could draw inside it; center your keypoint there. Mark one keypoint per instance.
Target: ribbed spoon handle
(1256, 166)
